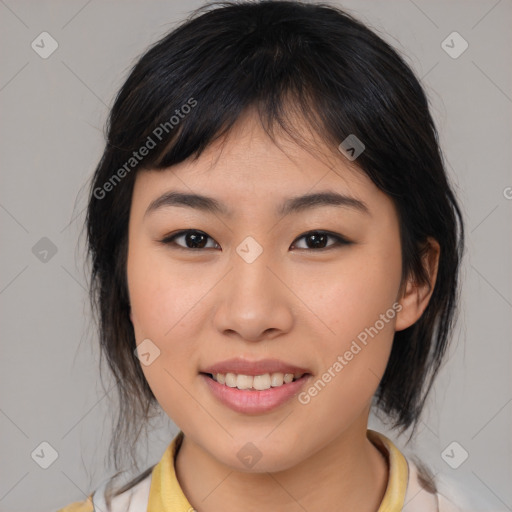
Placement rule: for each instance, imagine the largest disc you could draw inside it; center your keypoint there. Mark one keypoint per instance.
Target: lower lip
(254, 402)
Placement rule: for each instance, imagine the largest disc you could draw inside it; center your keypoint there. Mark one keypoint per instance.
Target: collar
(166, 495)
(398, 478)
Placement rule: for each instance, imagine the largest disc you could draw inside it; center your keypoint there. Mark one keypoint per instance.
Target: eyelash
(339, 240)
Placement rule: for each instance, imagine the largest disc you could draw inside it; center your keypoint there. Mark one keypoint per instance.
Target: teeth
(257, 382)
(276, 379)
(288, 377)
(231, 380)
(244, 381)
(261, 382)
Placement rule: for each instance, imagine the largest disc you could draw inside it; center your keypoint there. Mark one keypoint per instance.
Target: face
(313, 288)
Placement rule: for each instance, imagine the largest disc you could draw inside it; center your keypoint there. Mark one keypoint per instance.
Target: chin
(259, 457)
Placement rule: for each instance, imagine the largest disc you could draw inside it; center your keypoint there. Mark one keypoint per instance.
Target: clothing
(160, 491)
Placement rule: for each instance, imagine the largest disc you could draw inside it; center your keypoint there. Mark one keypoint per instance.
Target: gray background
(53, 113)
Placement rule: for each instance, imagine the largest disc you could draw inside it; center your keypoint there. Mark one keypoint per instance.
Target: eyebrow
(291, 205)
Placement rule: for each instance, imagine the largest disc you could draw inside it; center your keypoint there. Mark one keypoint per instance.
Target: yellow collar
(394, 496)
(166, 495)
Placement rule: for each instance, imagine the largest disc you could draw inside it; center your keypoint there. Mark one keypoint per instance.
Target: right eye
(193, 239)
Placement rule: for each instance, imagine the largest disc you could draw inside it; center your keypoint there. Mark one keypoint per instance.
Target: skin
(295, 302)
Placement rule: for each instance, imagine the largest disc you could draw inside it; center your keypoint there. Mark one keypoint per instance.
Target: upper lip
(245, 367)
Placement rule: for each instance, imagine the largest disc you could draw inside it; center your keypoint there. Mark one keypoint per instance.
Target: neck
(347, 474)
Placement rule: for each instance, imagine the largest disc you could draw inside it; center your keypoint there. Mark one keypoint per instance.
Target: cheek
(161, 296)
(357, 306)
(354, 295)
(354, 357)
(159, 304)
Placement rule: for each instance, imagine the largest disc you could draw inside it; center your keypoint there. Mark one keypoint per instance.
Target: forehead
(247, 152)
(247, 168)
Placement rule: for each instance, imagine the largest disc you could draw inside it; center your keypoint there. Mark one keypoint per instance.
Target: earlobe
(416, 296)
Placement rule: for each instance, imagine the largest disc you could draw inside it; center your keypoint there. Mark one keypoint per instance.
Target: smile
(256, 382)
(240, 392)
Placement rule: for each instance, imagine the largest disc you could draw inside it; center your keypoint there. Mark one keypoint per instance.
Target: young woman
(276, 250)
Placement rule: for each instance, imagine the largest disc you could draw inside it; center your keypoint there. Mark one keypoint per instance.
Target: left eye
(198, 239)
(318, 239)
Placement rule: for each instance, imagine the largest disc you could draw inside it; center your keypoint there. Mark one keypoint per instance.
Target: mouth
(254, 387)
(255, 382)
(254, 394)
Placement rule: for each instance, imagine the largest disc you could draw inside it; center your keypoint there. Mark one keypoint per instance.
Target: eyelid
(340, 240)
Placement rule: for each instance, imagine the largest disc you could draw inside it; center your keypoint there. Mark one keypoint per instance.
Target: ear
(414, 300)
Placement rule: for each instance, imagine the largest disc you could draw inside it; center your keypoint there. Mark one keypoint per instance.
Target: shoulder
(422, 493)
(79, 506)
(442, 493)
(132, 497)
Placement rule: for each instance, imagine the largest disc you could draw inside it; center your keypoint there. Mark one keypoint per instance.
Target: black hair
(280, 58)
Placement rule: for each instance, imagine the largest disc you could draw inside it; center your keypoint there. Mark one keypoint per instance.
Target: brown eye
(317, 240)
(192, 239)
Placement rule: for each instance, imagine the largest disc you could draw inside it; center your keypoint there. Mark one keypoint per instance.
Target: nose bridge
(250, 277)
(254, 301)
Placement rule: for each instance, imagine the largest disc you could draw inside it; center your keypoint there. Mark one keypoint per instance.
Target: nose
(253, 303)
